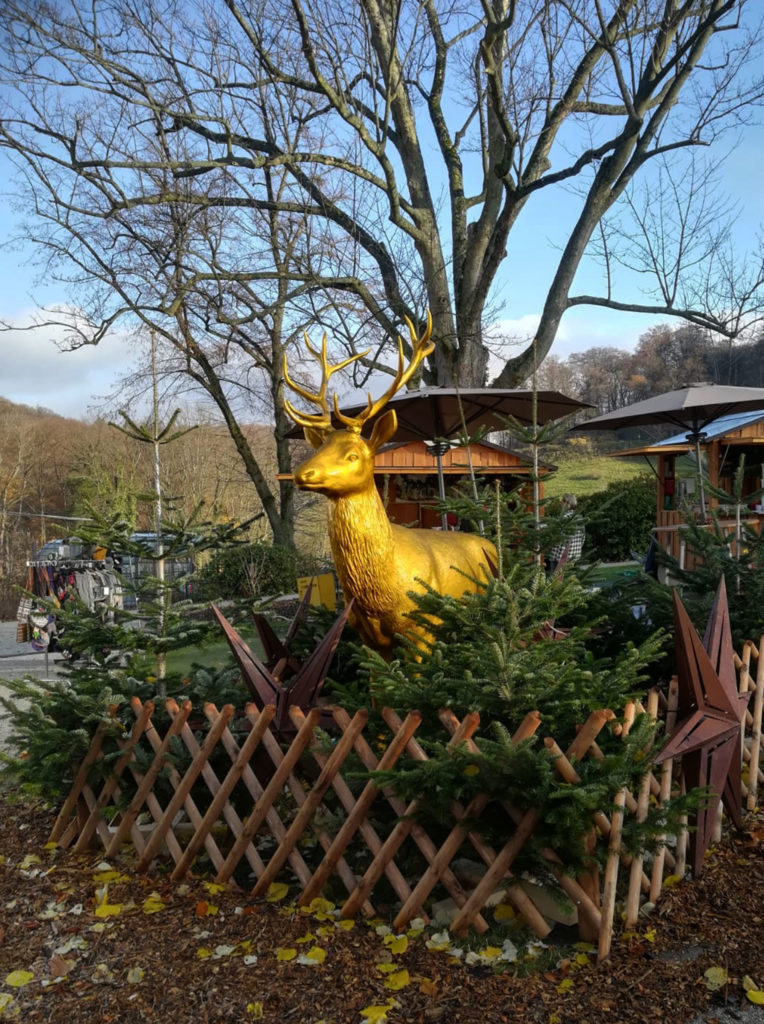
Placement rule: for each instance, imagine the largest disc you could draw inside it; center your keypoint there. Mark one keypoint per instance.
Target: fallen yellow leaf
(397, 980)
(153, 904)
(377, 1013)
(715, 978)
(255, 1011)
(313, 957)
(108, 909)
(17, 979)
(276, 892)
(396, 943)
(318, 906)
(102, 877)
(755, 996)
(284, 954)
(490, 952)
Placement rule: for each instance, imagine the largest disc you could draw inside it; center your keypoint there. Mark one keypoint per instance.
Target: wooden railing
(671, 535)
(249, 805)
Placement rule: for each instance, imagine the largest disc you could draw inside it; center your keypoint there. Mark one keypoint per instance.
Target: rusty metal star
(283, 680)
(707, 737)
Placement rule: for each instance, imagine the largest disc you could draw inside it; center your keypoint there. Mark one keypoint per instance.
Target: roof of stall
(734, 423)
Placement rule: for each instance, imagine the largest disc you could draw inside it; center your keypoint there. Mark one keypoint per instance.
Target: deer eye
(353, 457)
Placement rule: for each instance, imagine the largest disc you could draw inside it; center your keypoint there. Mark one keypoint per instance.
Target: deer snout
(305, 475)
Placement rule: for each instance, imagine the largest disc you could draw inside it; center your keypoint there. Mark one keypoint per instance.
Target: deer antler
(318, 420)
(421, 348)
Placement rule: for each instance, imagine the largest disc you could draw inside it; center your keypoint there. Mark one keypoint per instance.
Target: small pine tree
(496, 652)
(112, 656)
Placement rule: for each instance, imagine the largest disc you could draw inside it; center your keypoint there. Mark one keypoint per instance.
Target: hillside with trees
(665, 357)
(54, 470)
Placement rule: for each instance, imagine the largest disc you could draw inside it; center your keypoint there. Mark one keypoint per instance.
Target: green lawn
(582, 475)
(211, 655)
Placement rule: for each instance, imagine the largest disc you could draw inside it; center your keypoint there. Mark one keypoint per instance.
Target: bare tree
(409, 135)
(225, 287)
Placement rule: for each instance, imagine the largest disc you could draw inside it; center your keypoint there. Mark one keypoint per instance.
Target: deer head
(344, 460)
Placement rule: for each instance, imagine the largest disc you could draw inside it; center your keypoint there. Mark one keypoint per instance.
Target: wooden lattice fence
(286, 796)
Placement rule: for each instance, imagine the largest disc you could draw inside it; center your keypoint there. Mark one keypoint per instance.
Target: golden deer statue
(378, 562)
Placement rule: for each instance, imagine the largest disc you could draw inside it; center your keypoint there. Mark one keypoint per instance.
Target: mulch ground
(81, 944)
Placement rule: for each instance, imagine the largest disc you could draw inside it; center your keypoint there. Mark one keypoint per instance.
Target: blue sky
(35, 372)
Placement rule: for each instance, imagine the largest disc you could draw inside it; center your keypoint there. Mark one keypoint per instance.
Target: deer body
(378, 562)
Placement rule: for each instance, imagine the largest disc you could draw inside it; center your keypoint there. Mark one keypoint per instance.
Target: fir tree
(112, 656)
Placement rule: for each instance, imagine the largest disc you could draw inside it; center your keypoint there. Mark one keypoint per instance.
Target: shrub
(619, 519)
(254, 571)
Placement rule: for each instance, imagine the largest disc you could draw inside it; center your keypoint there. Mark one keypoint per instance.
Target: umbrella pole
(441, 488)
(439, 449)
(696, 437)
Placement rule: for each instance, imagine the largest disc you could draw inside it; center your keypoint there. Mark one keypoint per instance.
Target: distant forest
(665, 358)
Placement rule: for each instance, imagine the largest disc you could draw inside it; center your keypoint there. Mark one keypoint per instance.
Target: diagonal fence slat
(62, 823)
(417, 834)
(455, 839)
(305, 814)
(95, 818)
(183, 788)
(404, 827)
(270, 793)
(147, 781)
(255, 791)
(522, 902)
(300, 795)
(524, 830)
(358, 810)
(220, 800)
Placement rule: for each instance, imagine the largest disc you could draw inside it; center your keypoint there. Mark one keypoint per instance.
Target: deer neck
(362, 544)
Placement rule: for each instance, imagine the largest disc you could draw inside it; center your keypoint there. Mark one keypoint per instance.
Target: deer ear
(384, 428)
(314, 436)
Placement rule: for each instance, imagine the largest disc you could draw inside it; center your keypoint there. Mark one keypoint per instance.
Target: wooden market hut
(406, 475)
(725, 440)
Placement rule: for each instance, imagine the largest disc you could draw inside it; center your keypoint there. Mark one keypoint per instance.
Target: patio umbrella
(435, 414)
(690, 408)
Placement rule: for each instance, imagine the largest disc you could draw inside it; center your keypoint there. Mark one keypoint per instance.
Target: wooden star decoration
(708, 734)
(284, 680)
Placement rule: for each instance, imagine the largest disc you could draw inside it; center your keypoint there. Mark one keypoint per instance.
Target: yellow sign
(323, 592)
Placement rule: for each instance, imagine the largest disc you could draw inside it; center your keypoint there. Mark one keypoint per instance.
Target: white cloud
(581, 328)
(35, 371)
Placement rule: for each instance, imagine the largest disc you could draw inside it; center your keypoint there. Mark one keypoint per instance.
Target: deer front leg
(372, 632)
